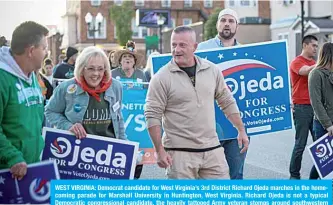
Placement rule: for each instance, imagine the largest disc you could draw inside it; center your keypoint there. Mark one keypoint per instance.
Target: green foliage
(122, 17)
(210, 25)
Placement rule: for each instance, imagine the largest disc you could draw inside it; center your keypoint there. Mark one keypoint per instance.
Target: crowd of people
(179, 111)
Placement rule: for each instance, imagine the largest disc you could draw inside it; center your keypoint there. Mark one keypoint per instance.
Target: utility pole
(302, 17)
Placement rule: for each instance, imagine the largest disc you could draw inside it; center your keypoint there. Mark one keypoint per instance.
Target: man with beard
(226, 26)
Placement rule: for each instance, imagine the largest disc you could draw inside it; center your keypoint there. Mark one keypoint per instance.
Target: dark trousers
(138, 171)
(319, 131)
(303, 121)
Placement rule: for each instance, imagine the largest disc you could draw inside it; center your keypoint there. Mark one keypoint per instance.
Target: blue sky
(13, 12)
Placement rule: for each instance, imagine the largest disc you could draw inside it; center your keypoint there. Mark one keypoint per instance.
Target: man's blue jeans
(234, 158)
(303, 121)
(319, 131)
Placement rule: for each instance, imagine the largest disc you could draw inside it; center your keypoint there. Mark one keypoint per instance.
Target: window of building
(245, 2)
(187, 3)
(144, 32)
(166, 3)
(138, 32)
(241, 3)
(118, 2)
(282, 36)
(95, 2)
(135, 30)
(139, 2)
(187, 21)
(102, 32)
(173, 22)
(288, 2)
(208, 3)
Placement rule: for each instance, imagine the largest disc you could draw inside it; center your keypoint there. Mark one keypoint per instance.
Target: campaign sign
(321, 152)
(93, 157)
(258, 80)
(34, 188)
(133, 104)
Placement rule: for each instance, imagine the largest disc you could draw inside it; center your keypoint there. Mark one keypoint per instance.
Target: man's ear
(195, 46)
(303, 45)
(30, 50)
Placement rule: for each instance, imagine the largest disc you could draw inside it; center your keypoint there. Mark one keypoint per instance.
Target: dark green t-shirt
(97, 119)
(190, 72)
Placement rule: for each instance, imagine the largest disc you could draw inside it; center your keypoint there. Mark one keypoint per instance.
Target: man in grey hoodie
(21, 99)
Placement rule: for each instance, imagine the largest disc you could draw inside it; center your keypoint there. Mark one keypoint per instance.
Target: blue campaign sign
(34, 188)
(134, 100)
(94, 157)
(321, 152)
(259, 82)
(133, 104)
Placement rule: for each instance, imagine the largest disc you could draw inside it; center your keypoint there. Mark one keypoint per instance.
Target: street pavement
(268, 157)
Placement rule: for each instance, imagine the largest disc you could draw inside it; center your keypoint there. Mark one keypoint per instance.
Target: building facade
(286, 22)
(184, 12)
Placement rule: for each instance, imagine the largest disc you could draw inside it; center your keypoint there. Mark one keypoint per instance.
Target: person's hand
(243, 141)
(164, 160)
(139, 157)
(330, 131)
(292, 107)
(78, 130)
(19, 170)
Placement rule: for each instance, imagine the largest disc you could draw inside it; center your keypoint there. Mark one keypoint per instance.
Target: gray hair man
(182, 95)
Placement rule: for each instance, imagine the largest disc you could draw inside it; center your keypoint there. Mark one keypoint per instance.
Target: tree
(122, 17)
(210, 25)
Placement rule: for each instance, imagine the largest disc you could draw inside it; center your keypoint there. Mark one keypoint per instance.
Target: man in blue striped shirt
(226, 26)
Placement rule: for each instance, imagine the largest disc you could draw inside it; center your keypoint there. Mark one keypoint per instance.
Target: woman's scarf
(94, 92)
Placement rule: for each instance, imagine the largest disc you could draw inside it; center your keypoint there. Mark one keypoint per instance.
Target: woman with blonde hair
(92, 92)
(321, 95)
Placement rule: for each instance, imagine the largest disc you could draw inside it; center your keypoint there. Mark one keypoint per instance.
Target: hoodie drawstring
(39, 92)
(23, 91)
